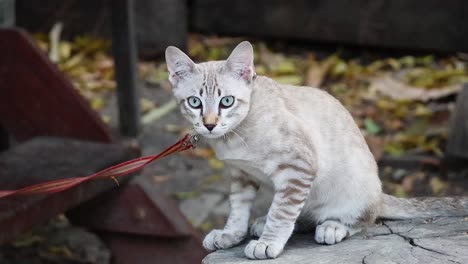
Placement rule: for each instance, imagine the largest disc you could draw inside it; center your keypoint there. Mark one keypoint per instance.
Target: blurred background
(399, 67)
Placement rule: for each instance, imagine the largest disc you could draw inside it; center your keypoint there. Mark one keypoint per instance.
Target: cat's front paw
(257, 249)
(221, 239)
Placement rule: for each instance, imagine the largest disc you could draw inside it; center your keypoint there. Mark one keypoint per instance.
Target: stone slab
(198, 209)
(440, 240)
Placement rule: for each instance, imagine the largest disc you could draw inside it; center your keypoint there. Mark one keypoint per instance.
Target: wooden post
(125, 57)
(7, 13)
(457, 145)
(4, 139)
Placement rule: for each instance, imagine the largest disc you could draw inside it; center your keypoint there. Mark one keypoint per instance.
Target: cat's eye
(227, 101)
(194, 102)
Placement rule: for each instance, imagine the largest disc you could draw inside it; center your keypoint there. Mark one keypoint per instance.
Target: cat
(301, 141)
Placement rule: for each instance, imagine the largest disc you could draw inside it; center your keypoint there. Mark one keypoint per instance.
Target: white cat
(299, 140)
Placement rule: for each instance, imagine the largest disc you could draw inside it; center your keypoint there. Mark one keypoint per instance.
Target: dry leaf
(160, 178)
(97, 103)
(289, 79)
(376, 145)
(146, 105)
(106, 119)
(27, 240)
(212, 179)
(205, 153)
(186, 195)
(61, 251)
(438, 185)
(398, 90)
(54, 37)
(215, 163)
(159, 112)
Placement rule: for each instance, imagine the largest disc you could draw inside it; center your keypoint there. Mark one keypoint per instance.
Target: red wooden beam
(22, 165)
(140, 225)
(36, 99)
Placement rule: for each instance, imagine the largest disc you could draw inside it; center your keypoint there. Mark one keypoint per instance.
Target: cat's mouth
(212, 134)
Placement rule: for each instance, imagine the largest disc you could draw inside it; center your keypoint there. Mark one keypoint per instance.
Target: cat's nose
(210, 126)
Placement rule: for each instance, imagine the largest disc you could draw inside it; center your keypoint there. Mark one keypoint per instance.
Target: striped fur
(241, 199)
(300, 141)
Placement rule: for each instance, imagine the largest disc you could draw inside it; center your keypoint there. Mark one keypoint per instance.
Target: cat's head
(213, 96)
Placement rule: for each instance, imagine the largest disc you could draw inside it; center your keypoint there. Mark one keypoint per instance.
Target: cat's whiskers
(226, 138)
(242, 140)
(240, 132)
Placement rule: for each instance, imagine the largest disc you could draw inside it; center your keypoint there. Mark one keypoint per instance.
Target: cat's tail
(408, 208)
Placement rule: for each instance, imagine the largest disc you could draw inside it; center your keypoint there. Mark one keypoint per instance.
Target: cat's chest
(232, 150)
(242, 157)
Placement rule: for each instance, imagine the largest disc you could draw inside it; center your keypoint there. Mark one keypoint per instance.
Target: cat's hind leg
(331, 232)
(256, 229)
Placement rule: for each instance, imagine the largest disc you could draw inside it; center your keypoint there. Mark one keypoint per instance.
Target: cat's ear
(179, 65)
(240, 62)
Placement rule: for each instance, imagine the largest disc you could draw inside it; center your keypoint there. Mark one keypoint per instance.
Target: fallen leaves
(215, 163)
(371, 127)
(61, 251)
(159, 112)
(212, 179)
(186, 195)
(279, 67)
(437, 185)
(205, 153)
(317, 71)
(146, 105)
(398, 90)
(27, 240)
(160, 178)
(85, 61)
(387, 96)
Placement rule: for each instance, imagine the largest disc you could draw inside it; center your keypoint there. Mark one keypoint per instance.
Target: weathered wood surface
(47, 158)
(410, 24)
(440, 240)
(36, 99)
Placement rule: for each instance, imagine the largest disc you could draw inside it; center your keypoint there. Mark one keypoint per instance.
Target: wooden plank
(125, 55)
(60, 158)
(134, 209)
(457, 145)
(410, 24)
(139, 225)
(36, 99)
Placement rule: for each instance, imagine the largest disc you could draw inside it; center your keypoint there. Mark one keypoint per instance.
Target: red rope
(121, 169)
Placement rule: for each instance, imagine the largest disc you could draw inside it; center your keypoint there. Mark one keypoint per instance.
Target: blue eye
(227, 101)
(194, 102)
